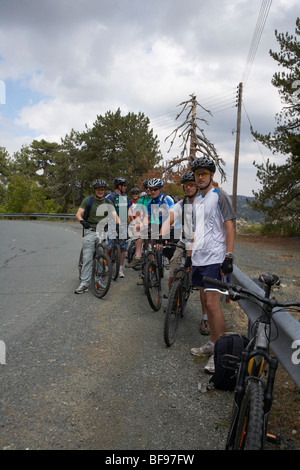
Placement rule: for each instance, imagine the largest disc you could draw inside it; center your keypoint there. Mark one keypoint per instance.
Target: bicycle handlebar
(236, 292)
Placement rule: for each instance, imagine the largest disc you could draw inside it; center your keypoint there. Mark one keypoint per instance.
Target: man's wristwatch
(230, 255)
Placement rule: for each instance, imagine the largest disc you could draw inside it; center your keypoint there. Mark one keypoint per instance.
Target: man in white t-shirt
(181, 219)
(212, 252)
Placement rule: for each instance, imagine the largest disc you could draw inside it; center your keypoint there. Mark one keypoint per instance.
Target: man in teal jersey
(121, 203)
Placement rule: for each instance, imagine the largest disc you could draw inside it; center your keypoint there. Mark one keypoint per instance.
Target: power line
(251, 127)
(260, 24)
(215, 104)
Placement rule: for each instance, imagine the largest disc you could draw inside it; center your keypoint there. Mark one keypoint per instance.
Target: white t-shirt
(183, 233)
(209, 214)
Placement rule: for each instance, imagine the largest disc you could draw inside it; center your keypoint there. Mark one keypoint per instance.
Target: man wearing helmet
(88, 218)
(212, 252)
(121, 203)
(181, 216)
(135, 194)
(137, 225)
(158, 208)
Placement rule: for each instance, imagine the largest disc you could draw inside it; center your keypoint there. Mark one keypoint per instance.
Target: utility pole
(237, 147)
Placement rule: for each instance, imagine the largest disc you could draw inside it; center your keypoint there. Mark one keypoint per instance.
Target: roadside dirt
(282, 257)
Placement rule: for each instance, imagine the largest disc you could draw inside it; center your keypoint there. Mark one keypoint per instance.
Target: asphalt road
(88, 373)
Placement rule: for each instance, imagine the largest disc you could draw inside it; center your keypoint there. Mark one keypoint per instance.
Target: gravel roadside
(106, 380)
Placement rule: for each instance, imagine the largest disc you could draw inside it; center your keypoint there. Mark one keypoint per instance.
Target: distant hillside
(245, 212)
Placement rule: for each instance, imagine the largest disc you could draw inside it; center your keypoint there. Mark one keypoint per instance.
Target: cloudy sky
(63, 62)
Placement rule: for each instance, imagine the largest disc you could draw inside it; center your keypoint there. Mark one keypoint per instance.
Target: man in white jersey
(212, 253)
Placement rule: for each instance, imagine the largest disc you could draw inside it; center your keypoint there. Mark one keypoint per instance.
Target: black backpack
(231, 346)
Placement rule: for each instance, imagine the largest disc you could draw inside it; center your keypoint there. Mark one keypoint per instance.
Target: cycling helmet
(118, 181)
(155, 183)
(99, 184)
(203, 162)
(135, 190)
(145, 183)
(188, 176)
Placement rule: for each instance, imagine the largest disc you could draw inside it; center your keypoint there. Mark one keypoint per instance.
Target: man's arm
(79, 214)
(227, 265)
(230, 233)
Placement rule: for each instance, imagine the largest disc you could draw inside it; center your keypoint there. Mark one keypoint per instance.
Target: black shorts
(211, 270)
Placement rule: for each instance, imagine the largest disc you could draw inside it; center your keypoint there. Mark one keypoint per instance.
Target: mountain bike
(101, 270)
(143, 265)
(255, 370)
(153, 272)
(115, 258)
(180, 292)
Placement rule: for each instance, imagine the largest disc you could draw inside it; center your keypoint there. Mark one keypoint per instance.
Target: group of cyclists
(202, 222)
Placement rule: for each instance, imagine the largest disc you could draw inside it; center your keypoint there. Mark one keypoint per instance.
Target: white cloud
(83, 58)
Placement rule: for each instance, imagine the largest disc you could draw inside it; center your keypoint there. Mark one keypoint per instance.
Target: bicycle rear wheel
(173, 313)
(115, 260)
(153, 286)
(250, 432)
(101, 275)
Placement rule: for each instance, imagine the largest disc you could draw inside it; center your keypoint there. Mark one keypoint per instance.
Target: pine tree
(279, 197)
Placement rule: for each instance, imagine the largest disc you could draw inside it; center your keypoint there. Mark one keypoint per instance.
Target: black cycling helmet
(145, 183)
(188, 176)
(135, 190)
(155, 183)
(203, 162)
(118, 181)
(99, 184)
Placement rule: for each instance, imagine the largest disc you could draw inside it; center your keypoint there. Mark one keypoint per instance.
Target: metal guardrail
(285, 335)
(286, 342)
(38, 216)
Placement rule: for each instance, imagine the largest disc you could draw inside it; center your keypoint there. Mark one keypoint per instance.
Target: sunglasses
(202, 174)
(191, 185)
(154, 189)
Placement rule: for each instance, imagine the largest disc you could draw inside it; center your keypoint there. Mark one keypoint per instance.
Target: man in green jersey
(87, 216)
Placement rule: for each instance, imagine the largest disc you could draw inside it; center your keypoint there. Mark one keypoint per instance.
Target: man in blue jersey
(212, 253)
(158, 208)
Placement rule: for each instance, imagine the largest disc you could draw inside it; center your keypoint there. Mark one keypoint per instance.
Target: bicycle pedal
(273, 438)
(140, 283)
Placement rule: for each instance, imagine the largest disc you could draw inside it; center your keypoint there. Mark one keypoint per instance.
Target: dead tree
(194, 141)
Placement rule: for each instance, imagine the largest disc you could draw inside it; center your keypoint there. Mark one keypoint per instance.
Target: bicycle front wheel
(173, 313)
(101, 275)
(115, 260)
(250, 432)
(153, 286)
